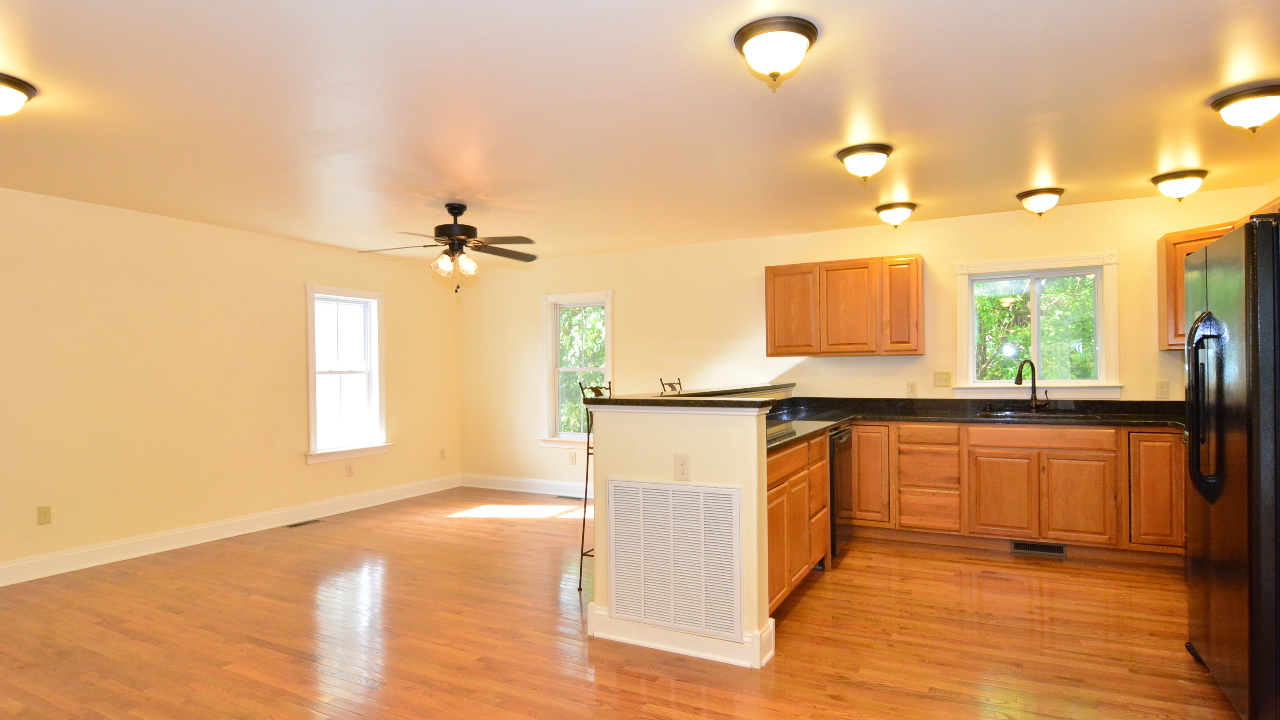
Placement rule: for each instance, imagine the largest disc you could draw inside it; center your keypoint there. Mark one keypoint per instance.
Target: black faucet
(1035, 403)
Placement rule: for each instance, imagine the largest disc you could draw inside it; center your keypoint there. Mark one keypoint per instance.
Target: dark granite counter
(739, 396)
(802, 417)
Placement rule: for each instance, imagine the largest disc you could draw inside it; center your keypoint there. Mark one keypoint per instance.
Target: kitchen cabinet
(870, 492)
(1078, 497)
(928, 477)
(791, 301)
(1157, 464)
(1004, 492)
(798, 514)
(866, 306)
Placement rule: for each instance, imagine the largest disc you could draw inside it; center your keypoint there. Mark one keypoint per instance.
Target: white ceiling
(598, 125)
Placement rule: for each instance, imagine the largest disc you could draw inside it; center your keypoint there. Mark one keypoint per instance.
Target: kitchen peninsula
(712, 506)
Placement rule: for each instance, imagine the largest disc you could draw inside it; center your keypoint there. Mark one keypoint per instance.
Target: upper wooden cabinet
(1171, 254)
(869, 306)
(791, 299)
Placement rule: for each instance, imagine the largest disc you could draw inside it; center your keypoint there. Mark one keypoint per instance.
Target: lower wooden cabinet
(871, 474)
(1004, 492)
(799, 514)
(1157, 466)
(929, 509)
(1078, 497)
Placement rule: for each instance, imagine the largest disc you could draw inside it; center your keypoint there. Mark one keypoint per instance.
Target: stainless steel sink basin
(1042, 415)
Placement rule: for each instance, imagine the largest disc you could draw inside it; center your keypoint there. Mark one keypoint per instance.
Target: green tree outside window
(580, 358)
(1051, 320)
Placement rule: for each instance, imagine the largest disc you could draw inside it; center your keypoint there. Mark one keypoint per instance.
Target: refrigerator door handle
(1206, 327)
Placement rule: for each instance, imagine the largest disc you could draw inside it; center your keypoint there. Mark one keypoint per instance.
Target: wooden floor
(402, 611)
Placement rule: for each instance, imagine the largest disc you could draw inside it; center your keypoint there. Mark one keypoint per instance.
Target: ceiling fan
(457, 239)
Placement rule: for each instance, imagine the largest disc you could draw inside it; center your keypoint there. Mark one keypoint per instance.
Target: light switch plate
(682, 467)
(351, 469)
(1162, 389)
(942, 378)
(913, 389)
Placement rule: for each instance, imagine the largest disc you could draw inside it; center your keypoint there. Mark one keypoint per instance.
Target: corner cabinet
(868, 306)
(797, 514)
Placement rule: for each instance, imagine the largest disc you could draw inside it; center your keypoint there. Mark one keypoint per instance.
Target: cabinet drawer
(818, 449)
(1048, 436)
(787, 463)
(819, 487)
(929, 434)
(924, 509)
(929, 466)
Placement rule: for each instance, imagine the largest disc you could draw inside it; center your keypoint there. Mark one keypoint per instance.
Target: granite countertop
(737, 396)
(795, 418)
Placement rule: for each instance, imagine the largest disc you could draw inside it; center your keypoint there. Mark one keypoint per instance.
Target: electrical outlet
(1162, 389)
(573, 458)
(942, 378)
(351, 469)
(913, 389)
(44, 515)
(441, 454)
(682, 467)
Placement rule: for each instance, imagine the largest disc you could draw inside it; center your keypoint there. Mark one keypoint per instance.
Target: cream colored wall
(697, 312)
(155, 373)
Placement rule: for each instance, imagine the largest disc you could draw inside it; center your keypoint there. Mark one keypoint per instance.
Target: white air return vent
(673, 557)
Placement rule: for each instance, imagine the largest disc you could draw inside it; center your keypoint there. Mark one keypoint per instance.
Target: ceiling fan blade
(506, 240)
(503, 252)
(433, 237)
(406, 247)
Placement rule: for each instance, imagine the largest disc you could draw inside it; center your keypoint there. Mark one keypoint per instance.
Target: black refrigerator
(1231, 353)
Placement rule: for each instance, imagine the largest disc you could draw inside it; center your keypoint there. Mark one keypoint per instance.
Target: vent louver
(674, 557)
(1022, 547)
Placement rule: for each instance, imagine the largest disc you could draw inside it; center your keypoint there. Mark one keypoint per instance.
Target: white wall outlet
(44, 515)
(1162, 389)
(573, 458)
(913, 389)
(942, 378)
(441, 454)
(351, 469)
(682, 467)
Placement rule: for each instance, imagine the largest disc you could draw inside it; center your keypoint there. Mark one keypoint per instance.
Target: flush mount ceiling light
(866, 159)
(1041, 200)
(14, 93)
(1249, 108)
(1179, 184)
(775, 46)
(896, 213)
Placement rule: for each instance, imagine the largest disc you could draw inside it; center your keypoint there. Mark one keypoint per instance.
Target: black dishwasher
(841, 489)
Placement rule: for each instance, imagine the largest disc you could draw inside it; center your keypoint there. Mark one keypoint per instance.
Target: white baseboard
(755, 650)
(38, 566)
(527, 485)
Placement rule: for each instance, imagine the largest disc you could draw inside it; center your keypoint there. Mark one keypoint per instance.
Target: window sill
(563, 442)
(1056, 392)
(347, 453)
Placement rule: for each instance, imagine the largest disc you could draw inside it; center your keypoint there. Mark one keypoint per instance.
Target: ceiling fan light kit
(775, 46)
(866, 159)
(1040, 200)
(457, 238)
(14, 94)
(1179, 184)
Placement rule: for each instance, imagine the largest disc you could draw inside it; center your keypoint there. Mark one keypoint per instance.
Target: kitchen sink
(1043, 414)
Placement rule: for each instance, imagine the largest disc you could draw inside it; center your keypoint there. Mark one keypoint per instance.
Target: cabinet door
(1004, 490)
(797, 527)
(1156, 486)
(871, 474)
(1078, 497)
(791, 309)
(819, 536)
(1172, 255)
(819, 487)
(902, 314)
(776, 510)
(850, 292)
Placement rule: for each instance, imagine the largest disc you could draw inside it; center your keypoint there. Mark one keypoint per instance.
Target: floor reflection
(564, 512)
(349, 640)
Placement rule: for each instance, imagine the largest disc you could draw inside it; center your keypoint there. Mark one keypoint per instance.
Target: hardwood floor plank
(403, 612)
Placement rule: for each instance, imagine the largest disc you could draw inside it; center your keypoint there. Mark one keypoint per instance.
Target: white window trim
(548, 305)
(315, 456)
(1106, 387)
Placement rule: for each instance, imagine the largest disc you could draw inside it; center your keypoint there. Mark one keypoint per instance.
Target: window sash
(333, 426)
(560, 370)
(1033, 278)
